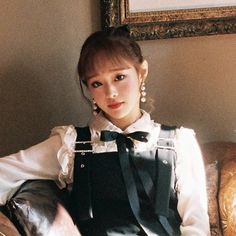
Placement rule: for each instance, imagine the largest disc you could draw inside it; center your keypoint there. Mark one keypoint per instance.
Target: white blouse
(54, 159)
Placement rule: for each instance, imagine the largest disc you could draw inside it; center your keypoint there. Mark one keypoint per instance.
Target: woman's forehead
(109, 63)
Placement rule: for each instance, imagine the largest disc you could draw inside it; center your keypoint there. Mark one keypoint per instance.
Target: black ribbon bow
(122, 139)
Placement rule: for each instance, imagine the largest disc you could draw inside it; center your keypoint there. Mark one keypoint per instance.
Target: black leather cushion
(33, 208)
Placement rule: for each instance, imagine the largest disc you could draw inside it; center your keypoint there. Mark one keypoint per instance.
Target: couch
(220, 162)
(40, 208)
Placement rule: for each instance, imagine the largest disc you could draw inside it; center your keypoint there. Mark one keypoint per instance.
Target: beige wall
(191, 79)
(193, 83)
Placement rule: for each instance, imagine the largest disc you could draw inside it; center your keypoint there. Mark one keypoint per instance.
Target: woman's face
(116, 90)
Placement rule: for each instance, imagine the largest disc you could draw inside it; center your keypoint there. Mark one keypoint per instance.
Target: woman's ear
(143, 71)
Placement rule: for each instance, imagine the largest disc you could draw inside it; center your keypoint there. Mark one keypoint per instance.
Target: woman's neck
(125, 122)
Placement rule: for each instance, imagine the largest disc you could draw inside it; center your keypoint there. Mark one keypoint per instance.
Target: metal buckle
(169, 144)
(165, 147)
(83, 151)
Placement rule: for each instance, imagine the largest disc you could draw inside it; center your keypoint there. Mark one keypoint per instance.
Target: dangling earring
(95, 108)
(143, 93)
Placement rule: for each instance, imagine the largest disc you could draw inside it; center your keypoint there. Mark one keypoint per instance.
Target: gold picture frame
(163, 24)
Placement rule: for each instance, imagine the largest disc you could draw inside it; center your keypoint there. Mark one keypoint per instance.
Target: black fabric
(112, 212)
(143, 213)
(165, 196)
(81, 192)
(163, 182)
(107, 135)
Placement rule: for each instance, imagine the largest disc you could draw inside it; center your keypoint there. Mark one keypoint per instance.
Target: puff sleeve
(51, 159)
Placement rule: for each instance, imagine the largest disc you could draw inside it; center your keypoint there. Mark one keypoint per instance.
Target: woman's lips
(115, 105)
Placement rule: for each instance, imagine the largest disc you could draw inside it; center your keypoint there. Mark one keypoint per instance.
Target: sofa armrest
(212, 177)
(227, 197)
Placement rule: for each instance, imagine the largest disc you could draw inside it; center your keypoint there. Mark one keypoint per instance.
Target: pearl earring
(95, 108)
(143, 93)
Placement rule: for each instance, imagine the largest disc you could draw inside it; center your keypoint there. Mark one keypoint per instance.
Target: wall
(193, 83)
(191, 79)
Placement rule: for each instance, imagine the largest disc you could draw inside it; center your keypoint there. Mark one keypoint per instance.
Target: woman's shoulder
(186, 141)
(180, 131)
(63, 129)
(182, 136)
(66, 132)
(185, 133)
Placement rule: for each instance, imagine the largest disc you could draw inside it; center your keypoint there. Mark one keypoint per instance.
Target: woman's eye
(120, 77)
(96, 84)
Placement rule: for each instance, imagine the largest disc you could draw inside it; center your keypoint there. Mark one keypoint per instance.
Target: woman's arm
(191, 185)
(37, 162)
(50, 159)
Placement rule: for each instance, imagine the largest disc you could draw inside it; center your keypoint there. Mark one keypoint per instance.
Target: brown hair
(112, 43)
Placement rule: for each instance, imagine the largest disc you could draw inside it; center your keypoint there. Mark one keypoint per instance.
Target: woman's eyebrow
(111, 70)
(121, 68)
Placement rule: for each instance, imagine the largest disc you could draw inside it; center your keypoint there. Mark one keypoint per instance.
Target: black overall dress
(100, 202)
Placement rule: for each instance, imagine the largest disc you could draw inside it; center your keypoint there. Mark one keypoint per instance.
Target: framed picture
(161, 19)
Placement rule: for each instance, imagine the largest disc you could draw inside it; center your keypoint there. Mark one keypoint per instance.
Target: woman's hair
(113, 44)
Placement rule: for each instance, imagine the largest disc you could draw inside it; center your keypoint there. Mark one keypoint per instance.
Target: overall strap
(146, 219)
(159, 188)
(81, 191)
(166, 156)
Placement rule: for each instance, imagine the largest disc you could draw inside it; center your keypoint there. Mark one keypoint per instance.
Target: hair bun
(122, 30)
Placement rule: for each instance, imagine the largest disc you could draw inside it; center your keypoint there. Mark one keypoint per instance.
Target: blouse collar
(144, 123)
(100, 122)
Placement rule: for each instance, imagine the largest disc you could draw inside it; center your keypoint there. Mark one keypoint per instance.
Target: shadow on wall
(40, 44)
(23, 107)
(32, 104)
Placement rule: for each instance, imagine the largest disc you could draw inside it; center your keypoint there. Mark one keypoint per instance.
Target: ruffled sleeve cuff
(65, 154)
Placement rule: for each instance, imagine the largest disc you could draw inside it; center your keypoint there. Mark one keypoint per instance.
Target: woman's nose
(111, 91)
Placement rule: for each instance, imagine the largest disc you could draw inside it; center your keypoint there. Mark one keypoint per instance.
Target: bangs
(110, 55)
(104, 59)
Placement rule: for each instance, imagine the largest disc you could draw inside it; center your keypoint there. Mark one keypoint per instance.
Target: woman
(120, 196)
